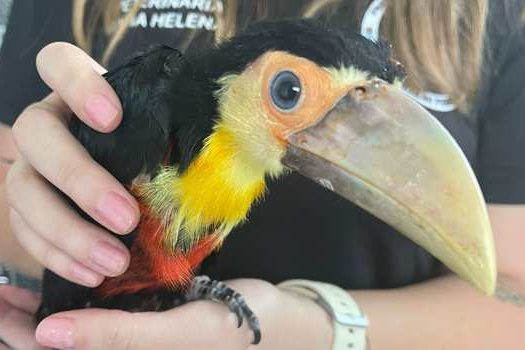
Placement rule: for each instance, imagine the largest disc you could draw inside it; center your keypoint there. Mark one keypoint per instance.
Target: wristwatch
(5, 275)
(350, 324)
(10, 277)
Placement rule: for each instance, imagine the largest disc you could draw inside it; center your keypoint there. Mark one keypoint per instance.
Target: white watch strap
(350, 323)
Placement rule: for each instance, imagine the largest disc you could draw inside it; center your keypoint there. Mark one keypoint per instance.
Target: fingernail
(117, 212)
(85, 275)
(100, 110)
(56, 332)
(109, 257)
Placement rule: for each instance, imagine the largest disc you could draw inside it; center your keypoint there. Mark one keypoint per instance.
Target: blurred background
(5, 7)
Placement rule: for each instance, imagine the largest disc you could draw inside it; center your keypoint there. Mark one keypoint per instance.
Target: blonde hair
(445, 56)
(106, 13)
(440, 43)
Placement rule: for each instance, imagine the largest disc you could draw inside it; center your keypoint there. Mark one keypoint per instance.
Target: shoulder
(501, 102)
(504, 16)
(504, 52)
(504, 28)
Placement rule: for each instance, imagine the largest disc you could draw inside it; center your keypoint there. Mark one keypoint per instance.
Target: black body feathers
(143, 86)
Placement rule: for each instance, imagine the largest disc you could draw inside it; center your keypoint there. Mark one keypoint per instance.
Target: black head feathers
(323, 44)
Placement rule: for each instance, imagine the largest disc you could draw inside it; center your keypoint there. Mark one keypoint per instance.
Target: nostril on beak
(367, 90)
(360, 91)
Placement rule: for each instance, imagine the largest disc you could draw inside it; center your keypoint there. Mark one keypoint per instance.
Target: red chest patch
(152, 266)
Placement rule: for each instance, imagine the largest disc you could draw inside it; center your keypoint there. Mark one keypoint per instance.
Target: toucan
(202, 134)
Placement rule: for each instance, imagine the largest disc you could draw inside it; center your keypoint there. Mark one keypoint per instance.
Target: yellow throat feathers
(212, 196)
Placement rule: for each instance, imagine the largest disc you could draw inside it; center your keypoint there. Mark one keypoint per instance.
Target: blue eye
(285, 91)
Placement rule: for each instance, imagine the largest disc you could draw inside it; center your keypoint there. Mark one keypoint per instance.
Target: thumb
(103, 329)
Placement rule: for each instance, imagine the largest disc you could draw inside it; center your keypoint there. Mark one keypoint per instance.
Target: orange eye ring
(319, 92)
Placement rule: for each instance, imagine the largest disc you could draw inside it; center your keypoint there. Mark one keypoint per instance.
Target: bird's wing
(139, 144)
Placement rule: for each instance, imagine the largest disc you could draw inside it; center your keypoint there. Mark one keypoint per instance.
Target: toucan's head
(299, 95)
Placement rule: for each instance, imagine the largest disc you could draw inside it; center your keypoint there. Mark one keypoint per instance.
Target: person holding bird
(62, 203)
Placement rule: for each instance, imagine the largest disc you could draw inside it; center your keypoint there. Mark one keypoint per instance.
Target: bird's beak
(382, 151)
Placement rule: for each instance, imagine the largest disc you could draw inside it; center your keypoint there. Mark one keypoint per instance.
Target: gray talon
(203, 288)
(237, 310)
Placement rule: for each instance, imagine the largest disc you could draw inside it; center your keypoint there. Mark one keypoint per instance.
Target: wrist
(313, 325)
(349, 323)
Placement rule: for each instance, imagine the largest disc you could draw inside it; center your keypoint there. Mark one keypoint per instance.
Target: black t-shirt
(301, 229)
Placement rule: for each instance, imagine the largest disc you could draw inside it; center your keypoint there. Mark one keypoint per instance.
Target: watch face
(4, 275)
(13, 278)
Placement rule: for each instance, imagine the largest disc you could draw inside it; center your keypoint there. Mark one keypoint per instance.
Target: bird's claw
(203, 288)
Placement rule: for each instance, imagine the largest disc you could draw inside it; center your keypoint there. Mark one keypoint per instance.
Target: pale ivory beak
(381, 150)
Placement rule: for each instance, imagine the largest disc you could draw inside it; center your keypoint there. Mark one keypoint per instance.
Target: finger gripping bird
(201, 135)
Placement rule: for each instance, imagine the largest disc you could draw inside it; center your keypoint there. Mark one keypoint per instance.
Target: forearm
(445, 313)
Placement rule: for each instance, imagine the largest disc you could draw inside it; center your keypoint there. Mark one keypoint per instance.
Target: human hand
(287, 322)
(44, 223)
(10, 250)
(17, 326)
